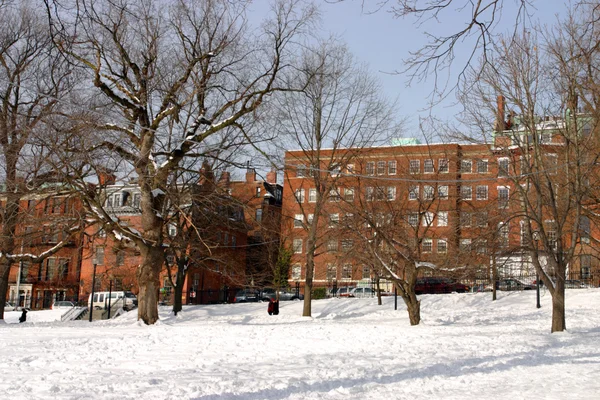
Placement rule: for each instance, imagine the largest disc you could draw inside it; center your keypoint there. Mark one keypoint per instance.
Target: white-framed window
(503, 165)
(335, 170)
(442, 218)
(391, 193)
(331, 272)
(366, 272)
(300, 194)
(172, 230)
(137, 199)
(465, 244)
(392, 167)
(349, 194)
(466, 193)
(413, 192)
(300, 171)
(443, 165)
(465, 219)
(443, 192)
(427, 218)
(350, 169)
(481, 192)
(380, 193)
(309, 218)
(428, 167)
(503, 233)
(428, 192)
(466, 166)
(312, 195)
(334, 220)
(481, 246)
(334, 195)
(381, 167)
(347, 272)
(296, 272)
(370, 168)
(369, 193)
(503, 196)
(297, 246)
(347, 244)
(442, 246)
(298, 220)
(413, 219)
(258, 214)
(481, 219)
(427, 245)
(482, 166)
(414, 166)
(332, 245)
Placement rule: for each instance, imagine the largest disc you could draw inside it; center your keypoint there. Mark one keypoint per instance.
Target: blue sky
(384, 42)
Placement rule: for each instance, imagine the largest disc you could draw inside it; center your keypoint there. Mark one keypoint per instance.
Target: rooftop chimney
(272, 176)
(224, 179)
(106, 178)
(250, 175)
(500, 124)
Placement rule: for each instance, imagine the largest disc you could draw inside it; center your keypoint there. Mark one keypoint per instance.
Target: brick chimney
(272, 176)
(500, 124)
(250, 175)
(224, 179)
(106, 178)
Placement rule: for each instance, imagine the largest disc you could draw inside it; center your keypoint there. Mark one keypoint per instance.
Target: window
(347, 244)
(99, 256)
(350, 169)
(120, 258)
(413, 193)
(482, 246)
(296, 272)
(413, 219)
(586, 266)
(381, 167)
(466, 193)
(56, 205)
(503, 167)
(442, 246)
(465, 244)
(503, 195)
(427, 245)
(366, 272)
(300, 171)
(312, 195)
(380, 193)
(258, 214)
(117, 200)
(428, 192)
(226, 239)
(335, 170)
(391, 167)
(300, 194)
(172, 230)
(347, 271)
(370, 168)
(428, 166)
(334, 195)
(297, 245)
(332, 245)
(481, 192)
(331, 272)
(137, 199)
(25, 267)
(414, 166)
(349, 194)
(551, 163)
(334, 220)
(309, 218)
(443, 165)
(109, 201)
(298, 220)
(466, 166)
(391, 193)
(482, 166)
(584, 228)
(442, 218)
(443, 192)
(369, 194)
(551, 235)
(465, 219)
(482, 219)
(503, 234)
(50, 269)
(545, 138)
(427, 218)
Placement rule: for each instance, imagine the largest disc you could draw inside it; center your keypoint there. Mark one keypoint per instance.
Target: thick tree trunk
(307, 310)
(558, 308)
(4, 272)
(178, 295)
(148, 275)
(413, 306)
(378, 292)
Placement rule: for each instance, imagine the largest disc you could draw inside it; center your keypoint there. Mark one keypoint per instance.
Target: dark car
(513, 284)
(284, 295)
(439, 285)
(246, 295)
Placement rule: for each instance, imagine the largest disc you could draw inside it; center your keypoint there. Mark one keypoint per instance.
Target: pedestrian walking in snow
(23, 316)
(271, 307)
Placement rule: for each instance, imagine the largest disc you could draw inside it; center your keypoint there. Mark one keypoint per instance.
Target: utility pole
(91, 306)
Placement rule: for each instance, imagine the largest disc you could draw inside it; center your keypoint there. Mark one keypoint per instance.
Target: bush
(319, 293)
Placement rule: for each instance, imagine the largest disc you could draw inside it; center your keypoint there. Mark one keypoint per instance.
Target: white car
(8, 307)
(62, 304)
(362, 292)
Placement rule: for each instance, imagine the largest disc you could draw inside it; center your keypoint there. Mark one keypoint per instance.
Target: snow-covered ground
(466, 347)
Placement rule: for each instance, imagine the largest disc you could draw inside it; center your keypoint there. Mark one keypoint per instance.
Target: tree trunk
(413, 306)
(4, 272)
(178, 294)
(148, 274)
(378, 292)
(307, 310)
(558, 308)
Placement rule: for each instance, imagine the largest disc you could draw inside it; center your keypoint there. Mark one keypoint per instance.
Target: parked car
(284, 295)
(62, 304)
(127, 299)
(8, 307)
(433, 285)
(513, 284)
(575, 284)
(362, 292)
(246, 295)
(343, 292)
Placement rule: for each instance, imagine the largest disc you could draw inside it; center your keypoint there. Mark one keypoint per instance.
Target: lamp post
(109, 296)
(95, 263)
(534, 236)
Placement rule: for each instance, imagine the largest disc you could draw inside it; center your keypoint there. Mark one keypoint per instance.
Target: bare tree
(32, 77)
(338, 112)
(192, 65)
